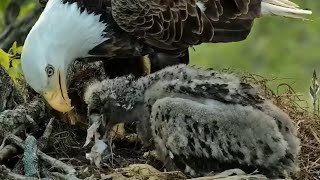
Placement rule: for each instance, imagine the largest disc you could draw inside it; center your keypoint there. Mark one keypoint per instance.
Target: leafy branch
(11, 62)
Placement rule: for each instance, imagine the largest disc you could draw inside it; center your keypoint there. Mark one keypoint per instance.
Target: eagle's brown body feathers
(140, 27)
(177, 24)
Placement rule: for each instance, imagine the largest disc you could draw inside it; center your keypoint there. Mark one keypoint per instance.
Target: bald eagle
(68, 30)
(200, 121)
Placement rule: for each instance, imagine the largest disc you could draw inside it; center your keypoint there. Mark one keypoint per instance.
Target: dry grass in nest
(308, 124)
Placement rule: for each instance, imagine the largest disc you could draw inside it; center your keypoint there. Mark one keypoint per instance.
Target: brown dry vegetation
(308, 124)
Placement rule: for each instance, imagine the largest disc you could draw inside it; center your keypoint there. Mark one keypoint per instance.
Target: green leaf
(4, 59)
(19, 50)
(12, 63)
(15, 63)
(15, 50)
(13, 73)
(14, 45)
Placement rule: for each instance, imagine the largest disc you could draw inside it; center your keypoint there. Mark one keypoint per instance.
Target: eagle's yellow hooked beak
(58, 96)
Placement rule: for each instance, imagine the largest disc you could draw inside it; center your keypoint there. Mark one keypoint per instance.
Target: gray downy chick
(201, 121)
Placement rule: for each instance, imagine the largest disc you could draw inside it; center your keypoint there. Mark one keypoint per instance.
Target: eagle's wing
(180, 23)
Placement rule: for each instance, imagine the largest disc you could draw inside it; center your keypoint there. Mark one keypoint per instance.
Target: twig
(111, 151)
(3, 143)
(45, 136)
(310, 146)
(243, 177)
(19, 129)
(315, 135)
(315, 163)
(48, 159)
(62, 176)
(7, 152)
(8, 175)
(56, 163)
(232, 174)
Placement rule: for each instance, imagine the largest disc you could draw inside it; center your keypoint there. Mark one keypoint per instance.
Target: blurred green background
(288, 49)
(277, 47)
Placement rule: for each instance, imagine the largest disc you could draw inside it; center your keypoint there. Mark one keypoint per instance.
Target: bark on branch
(10, 97)
(22, 115)
(14, 114)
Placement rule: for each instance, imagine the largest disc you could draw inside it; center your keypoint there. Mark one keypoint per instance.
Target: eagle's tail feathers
(283, 8)
(283, 3)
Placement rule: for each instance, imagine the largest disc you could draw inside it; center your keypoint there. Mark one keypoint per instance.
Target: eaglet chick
(201, 121)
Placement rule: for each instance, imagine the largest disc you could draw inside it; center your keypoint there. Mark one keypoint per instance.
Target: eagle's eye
(49, 70)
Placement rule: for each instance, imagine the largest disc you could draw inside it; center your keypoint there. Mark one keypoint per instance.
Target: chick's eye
(49, 70)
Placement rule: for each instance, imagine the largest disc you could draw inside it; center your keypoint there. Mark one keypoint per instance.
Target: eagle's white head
(62, 34)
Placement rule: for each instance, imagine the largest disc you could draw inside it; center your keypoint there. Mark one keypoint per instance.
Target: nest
(129, 160)
(308, 126)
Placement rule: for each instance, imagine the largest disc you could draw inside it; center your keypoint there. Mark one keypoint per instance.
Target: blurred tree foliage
(25, 7)
(16, 19)
(280, 47)
(277, 47)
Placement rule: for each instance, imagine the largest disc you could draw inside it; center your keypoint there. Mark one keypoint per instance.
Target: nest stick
(7, 152)
(45, 136)
(50, 160)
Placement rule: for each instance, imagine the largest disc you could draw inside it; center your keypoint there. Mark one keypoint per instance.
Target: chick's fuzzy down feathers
(201, 121)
